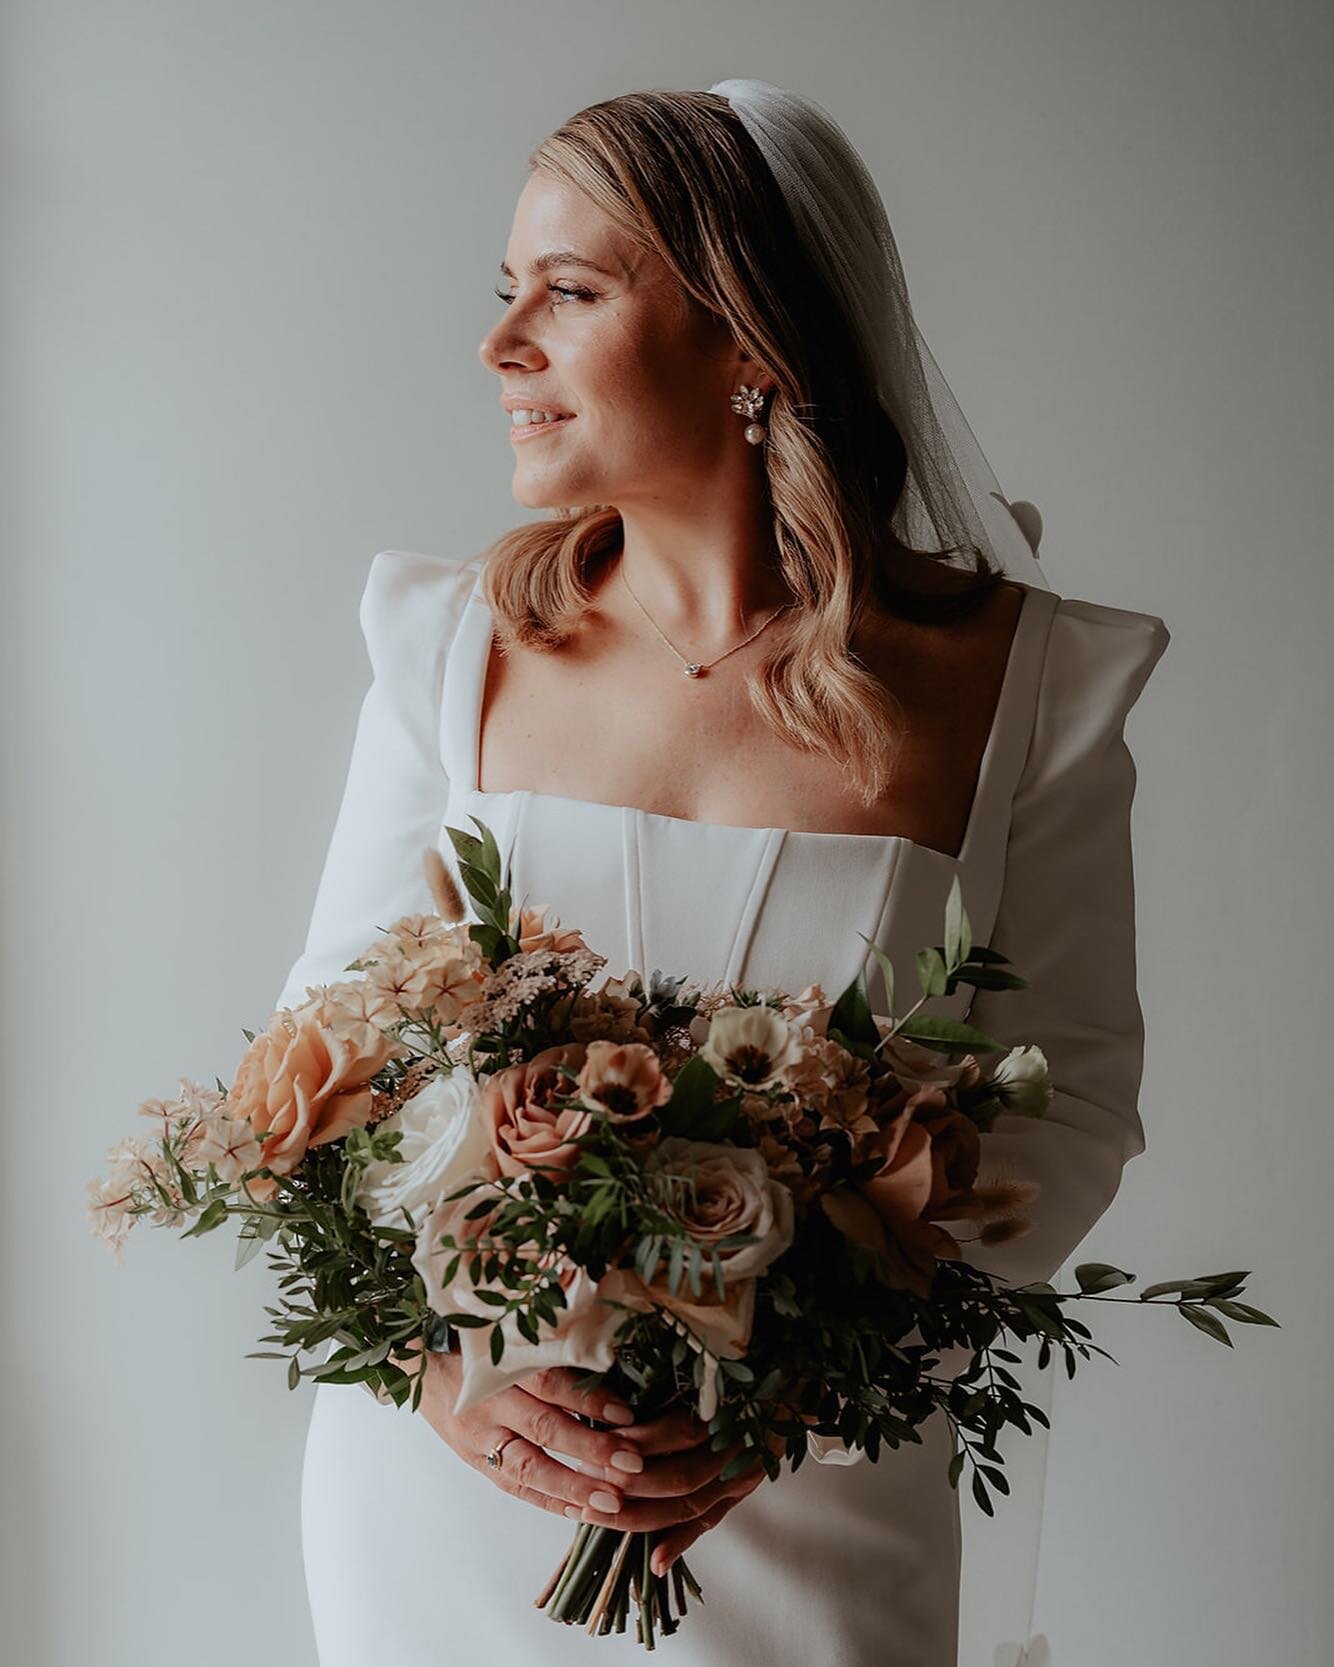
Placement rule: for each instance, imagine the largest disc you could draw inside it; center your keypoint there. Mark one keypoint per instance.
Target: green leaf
(981, 1495)
(956, 1466)
(1184, 1287)
(293, 1373)
(1207, 1322)
(932, 974)
(694, 1112)
(950, 1035)
(738, 1464)
(1242, 1311)
(1100, 1276)
(852, 1013)
(886, 969)
(497, 1345)
(954, 925)
(989, 978)
(998, 1477)
(676, 1265)
(211, 1216)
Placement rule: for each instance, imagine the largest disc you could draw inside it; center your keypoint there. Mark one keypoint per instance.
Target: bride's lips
(529, 431)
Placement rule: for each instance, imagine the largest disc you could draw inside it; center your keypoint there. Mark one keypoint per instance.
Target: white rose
(1021, 1081)
(443, 1140)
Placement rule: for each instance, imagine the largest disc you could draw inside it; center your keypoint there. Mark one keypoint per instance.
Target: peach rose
(539, 927)
(625, 1080)
(916, 1065)
(910, 1180)
(956, 1148)
(304, 1081)
(528, 1129)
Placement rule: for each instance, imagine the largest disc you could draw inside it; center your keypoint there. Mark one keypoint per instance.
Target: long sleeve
(1066, 920)
(394, 799)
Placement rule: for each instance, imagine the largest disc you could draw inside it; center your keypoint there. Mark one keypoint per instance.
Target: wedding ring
(493, 1457)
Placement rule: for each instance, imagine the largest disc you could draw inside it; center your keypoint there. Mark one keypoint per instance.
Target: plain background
(248, 256)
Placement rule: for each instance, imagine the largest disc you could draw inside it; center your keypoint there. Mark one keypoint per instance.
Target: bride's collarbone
(612, 730)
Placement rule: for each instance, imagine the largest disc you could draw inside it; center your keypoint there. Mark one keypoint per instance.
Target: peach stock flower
(438, 976)
(527, 1128)
(608, 1013)
(832, 1085)
(304, 1081)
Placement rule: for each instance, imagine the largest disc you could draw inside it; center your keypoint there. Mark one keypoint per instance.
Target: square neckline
(1015, 665)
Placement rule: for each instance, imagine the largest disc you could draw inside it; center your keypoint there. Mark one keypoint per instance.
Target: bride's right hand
(540, 1412)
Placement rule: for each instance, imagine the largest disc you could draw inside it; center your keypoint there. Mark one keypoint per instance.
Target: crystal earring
(749, 402)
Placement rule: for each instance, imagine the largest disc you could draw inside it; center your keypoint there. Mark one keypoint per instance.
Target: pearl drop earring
(749, 402)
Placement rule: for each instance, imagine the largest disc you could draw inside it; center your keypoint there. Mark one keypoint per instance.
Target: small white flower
(750, 1046)
(1021, 1081)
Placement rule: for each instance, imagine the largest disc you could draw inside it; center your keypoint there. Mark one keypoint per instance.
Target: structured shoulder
(411, 606)
(1098, 659)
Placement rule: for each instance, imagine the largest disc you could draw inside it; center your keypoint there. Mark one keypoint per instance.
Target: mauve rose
(527, 1129)
(733, 1192)
(305, 1081)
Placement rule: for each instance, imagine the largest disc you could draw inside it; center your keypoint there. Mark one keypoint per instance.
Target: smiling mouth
(529, 431)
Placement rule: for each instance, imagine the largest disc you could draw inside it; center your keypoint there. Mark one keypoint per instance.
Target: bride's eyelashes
(572, 292)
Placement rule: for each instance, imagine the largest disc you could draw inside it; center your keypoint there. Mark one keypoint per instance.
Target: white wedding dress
(414, 1559)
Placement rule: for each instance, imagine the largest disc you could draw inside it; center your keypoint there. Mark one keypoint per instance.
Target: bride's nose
(505, 345)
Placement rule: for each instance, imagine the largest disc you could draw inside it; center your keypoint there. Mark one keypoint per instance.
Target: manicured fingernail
(574, 1510)
(616, 1412)
(600, 1500)
(625, 1459)
(662, 1563)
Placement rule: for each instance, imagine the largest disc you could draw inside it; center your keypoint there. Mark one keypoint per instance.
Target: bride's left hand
(690, 1513)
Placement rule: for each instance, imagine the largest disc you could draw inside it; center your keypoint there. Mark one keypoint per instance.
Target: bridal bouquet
(730, 1198)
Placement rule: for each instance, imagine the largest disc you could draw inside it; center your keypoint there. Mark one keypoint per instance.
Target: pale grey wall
(248, 254)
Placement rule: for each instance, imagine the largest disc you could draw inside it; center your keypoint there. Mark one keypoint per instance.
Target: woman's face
(602, 331)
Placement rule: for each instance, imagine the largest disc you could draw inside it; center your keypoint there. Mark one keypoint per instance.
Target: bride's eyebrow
(559, 257)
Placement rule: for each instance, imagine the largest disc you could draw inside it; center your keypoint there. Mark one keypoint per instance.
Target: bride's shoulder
(412, 603)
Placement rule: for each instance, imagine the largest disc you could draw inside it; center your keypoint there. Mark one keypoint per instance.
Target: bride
(779, 665)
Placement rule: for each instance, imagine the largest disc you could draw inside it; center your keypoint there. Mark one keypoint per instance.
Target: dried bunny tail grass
(444, 889)
(1002, 1231)
(1005, 1195)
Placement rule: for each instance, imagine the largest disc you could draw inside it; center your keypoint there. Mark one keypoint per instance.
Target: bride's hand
(535, 1414)
(678, 1492)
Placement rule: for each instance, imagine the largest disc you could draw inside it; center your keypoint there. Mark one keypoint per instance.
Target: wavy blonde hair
(679, 174)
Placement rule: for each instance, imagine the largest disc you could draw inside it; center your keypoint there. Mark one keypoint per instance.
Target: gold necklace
(697, 668)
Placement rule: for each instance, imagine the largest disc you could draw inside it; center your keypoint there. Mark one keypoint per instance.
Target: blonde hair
(680, 176)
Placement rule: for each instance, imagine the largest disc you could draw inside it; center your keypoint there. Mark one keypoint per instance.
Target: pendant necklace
(697, 668)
